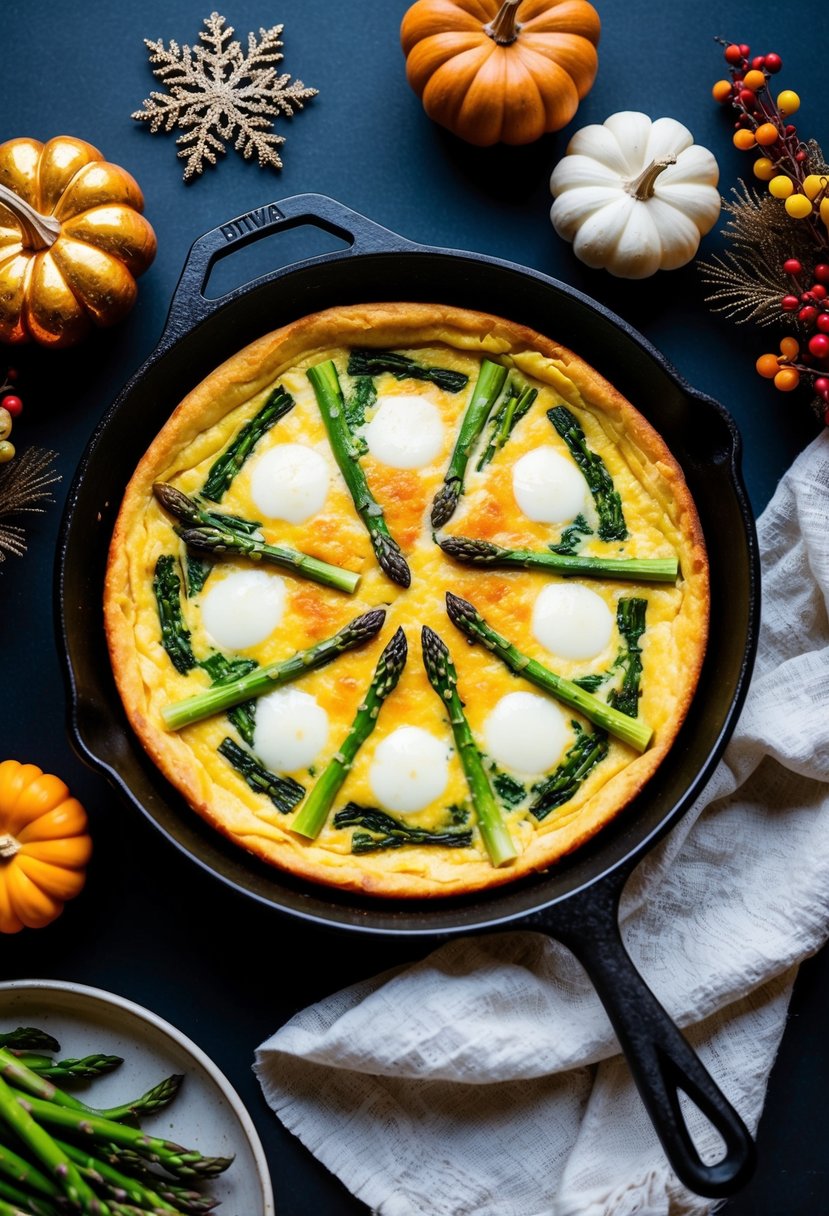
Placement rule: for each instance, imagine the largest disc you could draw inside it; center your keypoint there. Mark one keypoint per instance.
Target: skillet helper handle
(189, 305)
(660, 1058)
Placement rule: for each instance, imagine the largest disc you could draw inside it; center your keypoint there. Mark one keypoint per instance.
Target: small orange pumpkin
(508, 72)
(44, 847)
(72, 240)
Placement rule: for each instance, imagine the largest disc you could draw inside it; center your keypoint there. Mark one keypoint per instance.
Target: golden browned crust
(140, 666)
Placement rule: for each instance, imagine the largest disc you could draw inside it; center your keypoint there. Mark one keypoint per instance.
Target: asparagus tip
(459, 611)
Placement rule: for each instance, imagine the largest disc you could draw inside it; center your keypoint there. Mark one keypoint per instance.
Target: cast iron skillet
(577, 900)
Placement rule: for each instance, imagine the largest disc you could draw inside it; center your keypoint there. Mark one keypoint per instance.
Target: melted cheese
(242, 608)
(572, 621)
(290, 482)
(410, 769)
(406, 432)
(548, 487)
(526, 732)
(291, 729)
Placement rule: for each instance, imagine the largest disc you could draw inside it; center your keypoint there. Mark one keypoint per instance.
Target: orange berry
(767, 366)
(766, 134)
(722, 91)
(744, 139)
(765, 169)
(787, 379)
(789, 348)
(754, 80)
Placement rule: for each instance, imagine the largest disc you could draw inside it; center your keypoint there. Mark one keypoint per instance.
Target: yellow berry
(813, 184)
(798, 206)
(765, 169)
(787, 379)
(744, 139)
(824, 211)
(722, 90)
(766, 134)
(767, 366)
(781, 186)
(788, 102)
(754, 80)
(6, 451)
(789, 348)
(5, 423)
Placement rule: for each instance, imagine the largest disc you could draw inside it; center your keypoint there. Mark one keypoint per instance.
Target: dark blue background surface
(150, 926)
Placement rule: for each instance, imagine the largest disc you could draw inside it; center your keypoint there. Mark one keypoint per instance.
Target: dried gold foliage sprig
(216, 92)
(24, 489)
(748, 279)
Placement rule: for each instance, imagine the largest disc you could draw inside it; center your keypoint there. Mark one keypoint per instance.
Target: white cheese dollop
(526, 732)
(243, 608)
(409, 770)
(291, 729)
(572, 621)
(290, 482)
(548, 487)
(406, 432)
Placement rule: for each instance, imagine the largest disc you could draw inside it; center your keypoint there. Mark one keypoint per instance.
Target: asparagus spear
(311, 818)
(223, 470)
(15, 1072)
(222, 535)
(484, 395)
(485, 553)
(264, 679)
(630, 620)
(175, 636)
(121, 1187)
(608, 502)
(18, 1169)
(363, 362)
(68, 1070)
(588, 750)
(515, 405)
(19, 1203)
(177, 1160)
(283, 792)
(176, 1193)
(12, 1209)
(329, 396)
(29, 1038)
(18, 1113)
(470, 622)
(444, 679)
(382, 831)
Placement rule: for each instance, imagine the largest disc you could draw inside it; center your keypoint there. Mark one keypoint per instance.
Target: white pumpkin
(635, 196)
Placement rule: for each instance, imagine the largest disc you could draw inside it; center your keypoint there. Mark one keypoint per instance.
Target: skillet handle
(190, 306)
(660, 1058)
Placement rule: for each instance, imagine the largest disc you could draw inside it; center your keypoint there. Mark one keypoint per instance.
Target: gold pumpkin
(72, 241)
(506, 72)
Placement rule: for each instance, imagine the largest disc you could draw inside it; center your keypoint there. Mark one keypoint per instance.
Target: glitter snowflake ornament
(216, 92)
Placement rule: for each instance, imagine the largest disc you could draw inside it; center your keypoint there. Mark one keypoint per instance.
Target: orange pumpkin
(508, 72)
(72, 240)
(44, 847)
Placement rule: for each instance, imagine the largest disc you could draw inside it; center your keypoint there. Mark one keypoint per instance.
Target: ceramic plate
(206, 1114)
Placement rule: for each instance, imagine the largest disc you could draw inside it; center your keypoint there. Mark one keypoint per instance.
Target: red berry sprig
(10, 408)
(762, 124)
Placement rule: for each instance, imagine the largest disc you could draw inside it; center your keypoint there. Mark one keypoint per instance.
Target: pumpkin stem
(641, 187)
(8, 847)
(503, 27)
(38, 231)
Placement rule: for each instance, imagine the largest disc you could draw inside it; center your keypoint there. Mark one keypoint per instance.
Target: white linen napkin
(486, 1080)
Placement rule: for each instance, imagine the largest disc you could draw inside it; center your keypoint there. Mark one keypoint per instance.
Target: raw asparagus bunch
(326, 385)
(364, 362)
(264, 679)
(470, 622)
(484, 395)
(311, 818)
(222, 535)
(444, 679)
(224, 469)
(484, 553)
